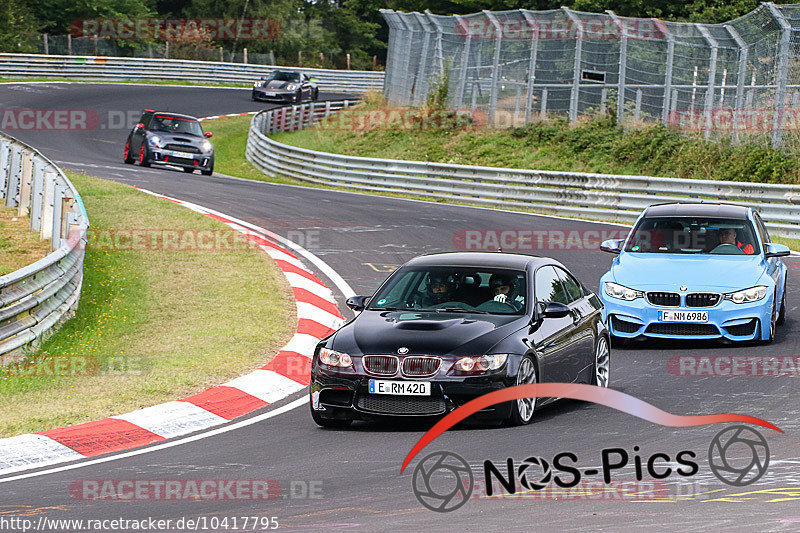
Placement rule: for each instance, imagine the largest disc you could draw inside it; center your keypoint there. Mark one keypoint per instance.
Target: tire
(207, 172)
(602, 363)
(144, 160)
(127, 158)
(188, 170)
(332, 423)
(524, 408)
(315, 95)
(772, 323)
(782, 312)
(299, 96)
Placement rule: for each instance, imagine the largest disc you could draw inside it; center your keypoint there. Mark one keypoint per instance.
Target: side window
(571, 286)
(146, 118)
(762, 229)
(548, 287)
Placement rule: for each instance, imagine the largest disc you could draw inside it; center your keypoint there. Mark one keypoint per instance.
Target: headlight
(207, 146)
(621, 292)
(334, 358)
(258, 84)
(753, 294)
(292, 86)
(481, 363)
(155, 140)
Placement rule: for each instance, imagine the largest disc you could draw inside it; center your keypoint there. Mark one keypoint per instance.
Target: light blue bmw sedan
(695, 271)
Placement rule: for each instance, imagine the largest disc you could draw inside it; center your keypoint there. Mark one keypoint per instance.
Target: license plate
(269, 93)
(683, 316)
(184, 155)
(402, 388)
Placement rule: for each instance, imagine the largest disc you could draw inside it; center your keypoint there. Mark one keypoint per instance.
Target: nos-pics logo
(444, 481)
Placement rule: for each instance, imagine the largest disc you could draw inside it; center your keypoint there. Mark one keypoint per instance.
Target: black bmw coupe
(446, 328)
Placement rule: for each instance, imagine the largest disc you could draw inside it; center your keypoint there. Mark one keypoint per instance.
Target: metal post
(245, 56)
(405, 69)
(495, 64)
(623, 64)
(5, 158)
(37, 194)
(462, 75)
(741, 77)
(668, 78)
(69, 44)
(638, 109)
(439, 52)
(392, 71)
(26, 178)
(543, 109)
(603, 99)
(531, 63)
(421, 85)
(783, 73)
(46, 45)
(47, 204)
(576, 68)
(14, 171)
(58, 204)
(712, 74)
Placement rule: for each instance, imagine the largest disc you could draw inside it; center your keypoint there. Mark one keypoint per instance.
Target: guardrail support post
(47, 204)
(25, 184)
(55, 231)
(543, 109)
(783, 73)
(37, 196)
(14, 171)
(5, 157)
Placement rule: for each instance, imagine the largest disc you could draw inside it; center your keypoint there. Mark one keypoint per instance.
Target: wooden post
(166, 50)
(245, 56)
(299, 58)
(94, 40)
(321, 58)
(46, 47)
(69, 44)
(221, 54)
(374, 62)
(271, 57)
(348, 61)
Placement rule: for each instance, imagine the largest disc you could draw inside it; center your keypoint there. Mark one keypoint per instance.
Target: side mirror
(613, 246)
(777, 250)
(313, 79)
(209, 134)
(357, 303)
(555, 310)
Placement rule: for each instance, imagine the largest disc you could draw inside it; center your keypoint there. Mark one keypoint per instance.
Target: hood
(696, 272)
(180, 138)
(277, 84)
(430, 333)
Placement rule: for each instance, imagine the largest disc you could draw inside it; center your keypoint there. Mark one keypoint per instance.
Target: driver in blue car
(505, 290)
(727, 240)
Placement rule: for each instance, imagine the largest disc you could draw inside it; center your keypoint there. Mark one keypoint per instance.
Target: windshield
(454, 289)
(283, 76)
(172, 124)
(693, 235)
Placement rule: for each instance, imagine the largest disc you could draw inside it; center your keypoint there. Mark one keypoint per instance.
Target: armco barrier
(613, 197)
(34, 300)
(134, 68)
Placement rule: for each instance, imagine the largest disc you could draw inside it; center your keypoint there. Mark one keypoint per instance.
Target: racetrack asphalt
(355, 473)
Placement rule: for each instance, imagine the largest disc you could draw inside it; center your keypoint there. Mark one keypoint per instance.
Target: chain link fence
(738, 81)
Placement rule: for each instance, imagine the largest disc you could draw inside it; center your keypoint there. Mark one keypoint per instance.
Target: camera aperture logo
(443, 482)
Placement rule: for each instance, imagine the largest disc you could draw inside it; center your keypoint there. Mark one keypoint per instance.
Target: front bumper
(274, 96)
(197, 161)
(336, 396)
(726, 320)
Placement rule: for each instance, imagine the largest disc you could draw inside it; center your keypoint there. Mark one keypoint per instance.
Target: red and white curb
(288, 372)
(212, 117)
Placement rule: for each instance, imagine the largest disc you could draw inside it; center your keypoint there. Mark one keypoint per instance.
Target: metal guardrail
(36, 299)
(611, 197)
(133, 68)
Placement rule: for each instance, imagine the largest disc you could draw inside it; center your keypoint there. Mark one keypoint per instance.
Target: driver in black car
(505, 290)
(439, 288)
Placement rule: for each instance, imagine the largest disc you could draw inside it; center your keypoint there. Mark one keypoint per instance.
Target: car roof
(480, 259)
(176, 115)
(697, 210)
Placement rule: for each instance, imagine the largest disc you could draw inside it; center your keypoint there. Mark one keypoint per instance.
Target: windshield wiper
(460, 310)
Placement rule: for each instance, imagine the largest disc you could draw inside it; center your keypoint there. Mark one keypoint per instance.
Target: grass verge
(19, 244)
(153, 325)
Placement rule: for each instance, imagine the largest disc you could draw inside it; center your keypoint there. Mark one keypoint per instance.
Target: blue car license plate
(683, 316)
